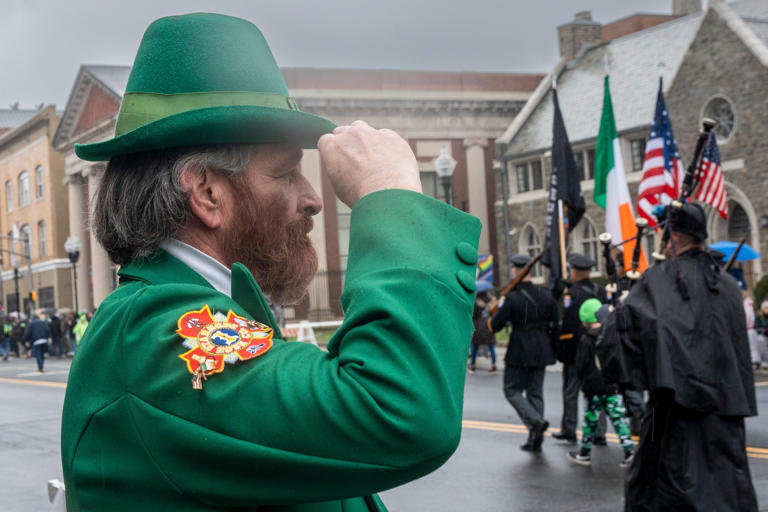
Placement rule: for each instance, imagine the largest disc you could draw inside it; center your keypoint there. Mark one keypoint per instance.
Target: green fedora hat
(205, 79)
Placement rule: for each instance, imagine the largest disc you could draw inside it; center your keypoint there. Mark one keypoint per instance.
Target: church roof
(633, 62)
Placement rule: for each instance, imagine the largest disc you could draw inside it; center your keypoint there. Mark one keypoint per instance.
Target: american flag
(711, 182)
(662, 169)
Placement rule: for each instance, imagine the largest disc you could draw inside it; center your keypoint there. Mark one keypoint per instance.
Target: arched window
(39, 181)
(530, 244)
(24, 188)
(42, 238)
(26, 237)
(738, 223)
(584, 240)
(9, 196)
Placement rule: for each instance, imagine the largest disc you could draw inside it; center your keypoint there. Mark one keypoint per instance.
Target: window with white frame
(42, 237)
(9, 196)
(26, 237)
(585, 163)
(530, 244)
(529, 176)
(24, 188)
(39, 181)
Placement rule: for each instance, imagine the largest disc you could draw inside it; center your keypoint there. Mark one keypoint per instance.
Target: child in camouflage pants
(598, 395)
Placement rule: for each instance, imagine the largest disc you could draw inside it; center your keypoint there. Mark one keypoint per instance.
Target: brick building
(34, 200)
(714, 64)
(463, 112)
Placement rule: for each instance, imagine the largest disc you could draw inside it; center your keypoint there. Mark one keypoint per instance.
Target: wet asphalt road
(488, 472)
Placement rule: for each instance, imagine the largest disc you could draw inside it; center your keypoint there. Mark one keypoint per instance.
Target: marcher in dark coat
(687, 345)
(532, 311)
(571, 330)
(482, 336)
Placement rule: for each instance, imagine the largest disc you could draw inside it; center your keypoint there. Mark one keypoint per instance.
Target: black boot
(538, 434)
(528, 446)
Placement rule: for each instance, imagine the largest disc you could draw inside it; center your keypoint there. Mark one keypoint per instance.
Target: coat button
(467, 254)
(466, 281)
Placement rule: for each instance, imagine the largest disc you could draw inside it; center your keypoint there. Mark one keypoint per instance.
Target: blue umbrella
(727, 247)
(483, 285)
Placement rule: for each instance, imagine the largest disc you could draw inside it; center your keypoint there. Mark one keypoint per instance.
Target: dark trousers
(519, 380)
(571, 389)
(39, 352)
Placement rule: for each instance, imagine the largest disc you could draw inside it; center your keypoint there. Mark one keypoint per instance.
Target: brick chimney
(683, 7)
(579, 33)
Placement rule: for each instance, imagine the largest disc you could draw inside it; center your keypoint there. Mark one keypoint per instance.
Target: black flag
(564, 184)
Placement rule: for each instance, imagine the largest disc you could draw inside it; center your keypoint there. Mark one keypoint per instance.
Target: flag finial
(607, 62)
(554, 82)
(660, 67)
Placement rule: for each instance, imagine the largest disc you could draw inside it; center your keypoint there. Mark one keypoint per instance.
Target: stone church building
(714, 64)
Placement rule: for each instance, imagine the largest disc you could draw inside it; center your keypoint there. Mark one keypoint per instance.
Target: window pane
(578, 157)
(638, 152)
(43, 241)
(538, 178)
(590, 170)
(39, 180)
(429, 183)
(523, 185)
(26, 236)
(9, 196)
(23, 188)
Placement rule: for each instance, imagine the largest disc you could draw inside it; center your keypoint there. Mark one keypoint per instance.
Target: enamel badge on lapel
(215, 339)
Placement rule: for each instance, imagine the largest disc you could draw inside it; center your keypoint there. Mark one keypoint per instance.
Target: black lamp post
(72, 246)
(444, 166)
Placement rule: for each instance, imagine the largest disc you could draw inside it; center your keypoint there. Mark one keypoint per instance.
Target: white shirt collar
(212, 270)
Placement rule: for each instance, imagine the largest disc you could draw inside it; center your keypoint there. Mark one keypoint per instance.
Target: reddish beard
(277, 251)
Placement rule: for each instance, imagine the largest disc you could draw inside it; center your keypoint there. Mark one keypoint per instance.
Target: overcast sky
(43, 43)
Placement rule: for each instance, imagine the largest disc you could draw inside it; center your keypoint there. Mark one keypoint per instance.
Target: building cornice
(444, 107)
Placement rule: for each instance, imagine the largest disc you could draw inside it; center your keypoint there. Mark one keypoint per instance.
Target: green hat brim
(213, 126)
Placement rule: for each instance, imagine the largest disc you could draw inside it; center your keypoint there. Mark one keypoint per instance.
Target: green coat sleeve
(382, 407)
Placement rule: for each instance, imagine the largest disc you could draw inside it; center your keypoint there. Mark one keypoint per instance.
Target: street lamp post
(444, 166)
(72, 246)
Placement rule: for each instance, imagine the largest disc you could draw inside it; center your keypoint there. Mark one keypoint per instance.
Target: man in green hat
(182, 395)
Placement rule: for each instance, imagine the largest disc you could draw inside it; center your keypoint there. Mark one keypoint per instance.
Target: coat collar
(162, 268)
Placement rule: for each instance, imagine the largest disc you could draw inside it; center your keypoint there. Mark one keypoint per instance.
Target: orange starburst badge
(216, 339)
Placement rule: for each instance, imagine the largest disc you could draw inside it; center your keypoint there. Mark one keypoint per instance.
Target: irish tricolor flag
(611, 191)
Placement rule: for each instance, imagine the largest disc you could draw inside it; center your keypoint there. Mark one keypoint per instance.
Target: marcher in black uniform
(688, 346)
(533, 314)
(571, 331)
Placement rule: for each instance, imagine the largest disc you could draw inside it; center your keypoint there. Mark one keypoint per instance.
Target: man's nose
(310, 203)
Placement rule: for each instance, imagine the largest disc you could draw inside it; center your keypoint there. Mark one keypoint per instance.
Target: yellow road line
(29, 382)
(752, 451)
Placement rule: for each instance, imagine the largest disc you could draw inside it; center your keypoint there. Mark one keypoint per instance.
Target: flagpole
(561, 232)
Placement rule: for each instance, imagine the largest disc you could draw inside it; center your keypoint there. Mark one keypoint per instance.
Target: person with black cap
(571, 330)
(532, 311)
(687, 345)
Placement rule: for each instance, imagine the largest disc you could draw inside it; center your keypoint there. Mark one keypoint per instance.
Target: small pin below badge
(198, 377)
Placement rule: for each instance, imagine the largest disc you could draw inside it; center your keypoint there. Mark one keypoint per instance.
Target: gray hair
(140, 202)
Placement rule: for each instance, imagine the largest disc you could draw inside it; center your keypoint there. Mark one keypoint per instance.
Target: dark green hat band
(140, 108)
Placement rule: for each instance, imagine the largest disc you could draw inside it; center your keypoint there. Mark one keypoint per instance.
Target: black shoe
(628, 458)
(600, 441)
(580, 457)
(567, 438)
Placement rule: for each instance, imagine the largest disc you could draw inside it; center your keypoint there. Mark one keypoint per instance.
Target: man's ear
(206, 191)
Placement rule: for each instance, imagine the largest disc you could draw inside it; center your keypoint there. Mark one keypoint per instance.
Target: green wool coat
(297, 428)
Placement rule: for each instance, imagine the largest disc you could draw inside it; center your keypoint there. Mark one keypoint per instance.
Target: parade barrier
(305, 330)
